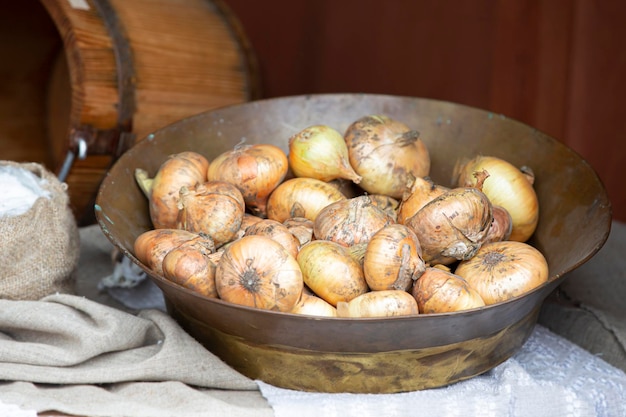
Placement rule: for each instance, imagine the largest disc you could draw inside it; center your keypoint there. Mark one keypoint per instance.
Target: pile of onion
(358, 230)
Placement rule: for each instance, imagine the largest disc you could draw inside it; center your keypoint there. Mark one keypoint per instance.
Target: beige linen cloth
(111, 363)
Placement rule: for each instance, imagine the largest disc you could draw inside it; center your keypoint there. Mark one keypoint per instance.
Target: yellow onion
(386, 153)
(248, 220)
(301, 228)
(441, 291)
(301, 197)
(393, 259)
(256, 271)
(331, 272)
(255, 169)
(452, 226)
(215, 208)
(351, 221)
(181, 169)
(276, 231)
(312, 305)
(386, 303)
(501, 225)
(320, 152)
(191, 265)
(503, 270)
(507, 186)
(421, 192)
(151, 246)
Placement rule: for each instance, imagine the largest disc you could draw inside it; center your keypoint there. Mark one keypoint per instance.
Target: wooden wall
(558, 65)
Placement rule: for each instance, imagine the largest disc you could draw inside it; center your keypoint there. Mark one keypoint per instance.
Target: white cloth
(549, 376)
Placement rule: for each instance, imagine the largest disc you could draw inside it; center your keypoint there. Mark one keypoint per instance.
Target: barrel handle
(69, 158)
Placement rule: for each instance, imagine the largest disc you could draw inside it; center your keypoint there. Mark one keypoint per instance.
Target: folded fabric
(69, 354)
(67, 339)
(549, 377)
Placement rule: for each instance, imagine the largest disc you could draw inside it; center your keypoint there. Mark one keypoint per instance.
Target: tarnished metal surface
(368, 354)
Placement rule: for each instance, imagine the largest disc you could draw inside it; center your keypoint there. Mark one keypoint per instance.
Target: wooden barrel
(83, 80)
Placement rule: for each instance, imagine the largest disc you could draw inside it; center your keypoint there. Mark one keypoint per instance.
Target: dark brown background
(558, 65)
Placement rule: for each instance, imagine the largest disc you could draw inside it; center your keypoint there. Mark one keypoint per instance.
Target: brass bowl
(369, 355)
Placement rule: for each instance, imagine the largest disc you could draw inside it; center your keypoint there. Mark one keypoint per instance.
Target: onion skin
(386, 303)
(349, 222)
(387, 204)
(301, 197)
(320, 152)
(215, 208)
(181, 169)
(501, 226)
(502, 270)
(441, 291)
(331, 272)
(152, 246)
(255, 169)
(248, 220)
(191, 266)
(276, 231)
(386, 153)
(256, 271)
(421, 192)
(313, 305)
(506, 186)
(393, 259)
(452, 226)
(301, 228)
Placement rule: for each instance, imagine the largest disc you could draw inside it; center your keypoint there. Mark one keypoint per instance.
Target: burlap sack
(41, 246)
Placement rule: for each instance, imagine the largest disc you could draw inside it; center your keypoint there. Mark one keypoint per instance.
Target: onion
(192, 266)
(215, 208)
(276, 231)
(501, 225)
(506, 186)
(255, 169)
(349, 222)
(320, 152)
(387, 303)
(248, 220)
(151, 246)
(393, 259)
(181, 169)
(256, 271)
(312, 305)
(440, 291)
(301, 197)
(452, 226)
(331, 272)
(421, 192)
(387, 154)
(503, 270)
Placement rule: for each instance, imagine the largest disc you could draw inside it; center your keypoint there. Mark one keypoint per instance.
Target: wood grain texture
(73, 69)
(556, 65)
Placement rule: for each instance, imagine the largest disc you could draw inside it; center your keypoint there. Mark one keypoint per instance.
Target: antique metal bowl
(369, 355)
